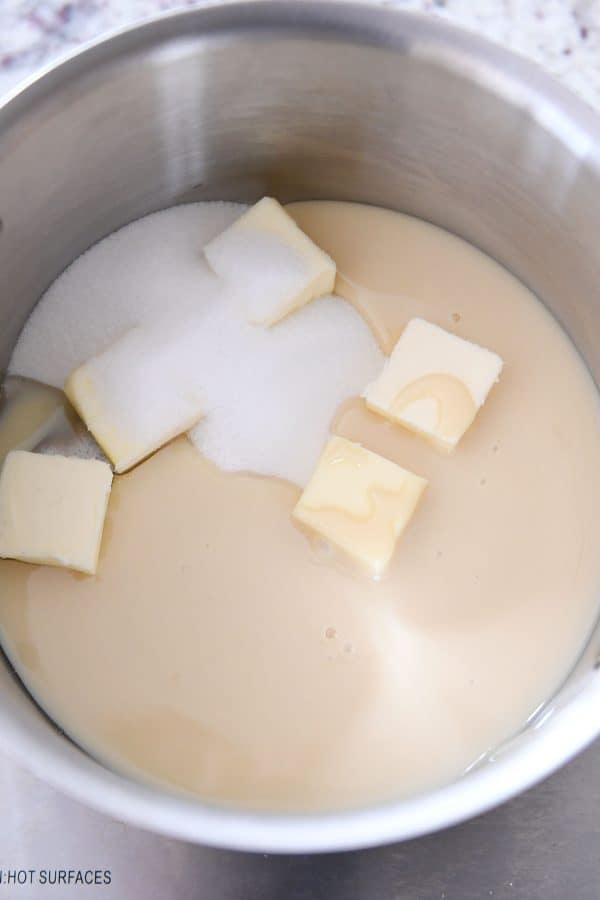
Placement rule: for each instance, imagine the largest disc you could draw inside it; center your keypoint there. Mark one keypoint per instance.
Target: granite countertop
(561, 35)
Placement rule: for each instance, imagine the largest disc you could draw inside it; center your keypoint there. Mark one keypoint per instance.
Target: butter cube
(359, 501)
(139, 393)
(270, 264)
(52, 509)
(434, 383)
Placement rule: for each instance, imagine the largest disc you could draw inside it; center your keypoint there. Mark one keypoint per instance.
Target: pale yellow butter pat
(52, 509)
(434, 383)
(359, 501)
(140, 393)
(271, 266)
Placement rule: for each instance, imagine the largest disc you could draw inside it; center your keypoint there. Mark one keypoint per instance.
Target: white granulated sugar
(270, 394)
(270, 266)
(262, 267)
(140, 392)
(153, 266)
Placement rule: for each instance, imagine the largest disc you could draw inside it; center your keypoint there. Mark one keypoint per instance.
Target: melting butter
(441, 404)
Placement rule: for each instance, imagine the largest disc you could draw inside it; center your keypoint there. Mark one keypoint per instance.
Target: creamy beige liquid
(218, 651)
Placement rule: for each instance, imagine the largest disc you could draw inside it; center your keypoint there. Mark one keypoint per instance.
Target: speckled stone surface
(561, 35)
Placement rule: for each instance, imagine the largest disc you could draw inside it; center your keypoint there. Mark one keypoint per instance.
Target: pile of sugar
(283, 272)
(138, 274)
(270, 393)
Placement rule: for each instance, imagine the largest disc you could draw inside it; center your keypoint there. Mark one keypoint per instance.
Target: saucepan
(304, 100)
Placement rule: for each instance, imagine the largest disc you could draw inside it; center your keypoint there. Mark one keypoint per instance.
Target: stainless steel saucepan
(304, 100)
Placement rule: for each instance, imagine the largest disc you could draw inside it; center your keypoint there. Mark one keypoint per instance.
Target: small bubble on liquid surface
(456, 317)
(322, 548)
(330, 633)
(483, 481)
